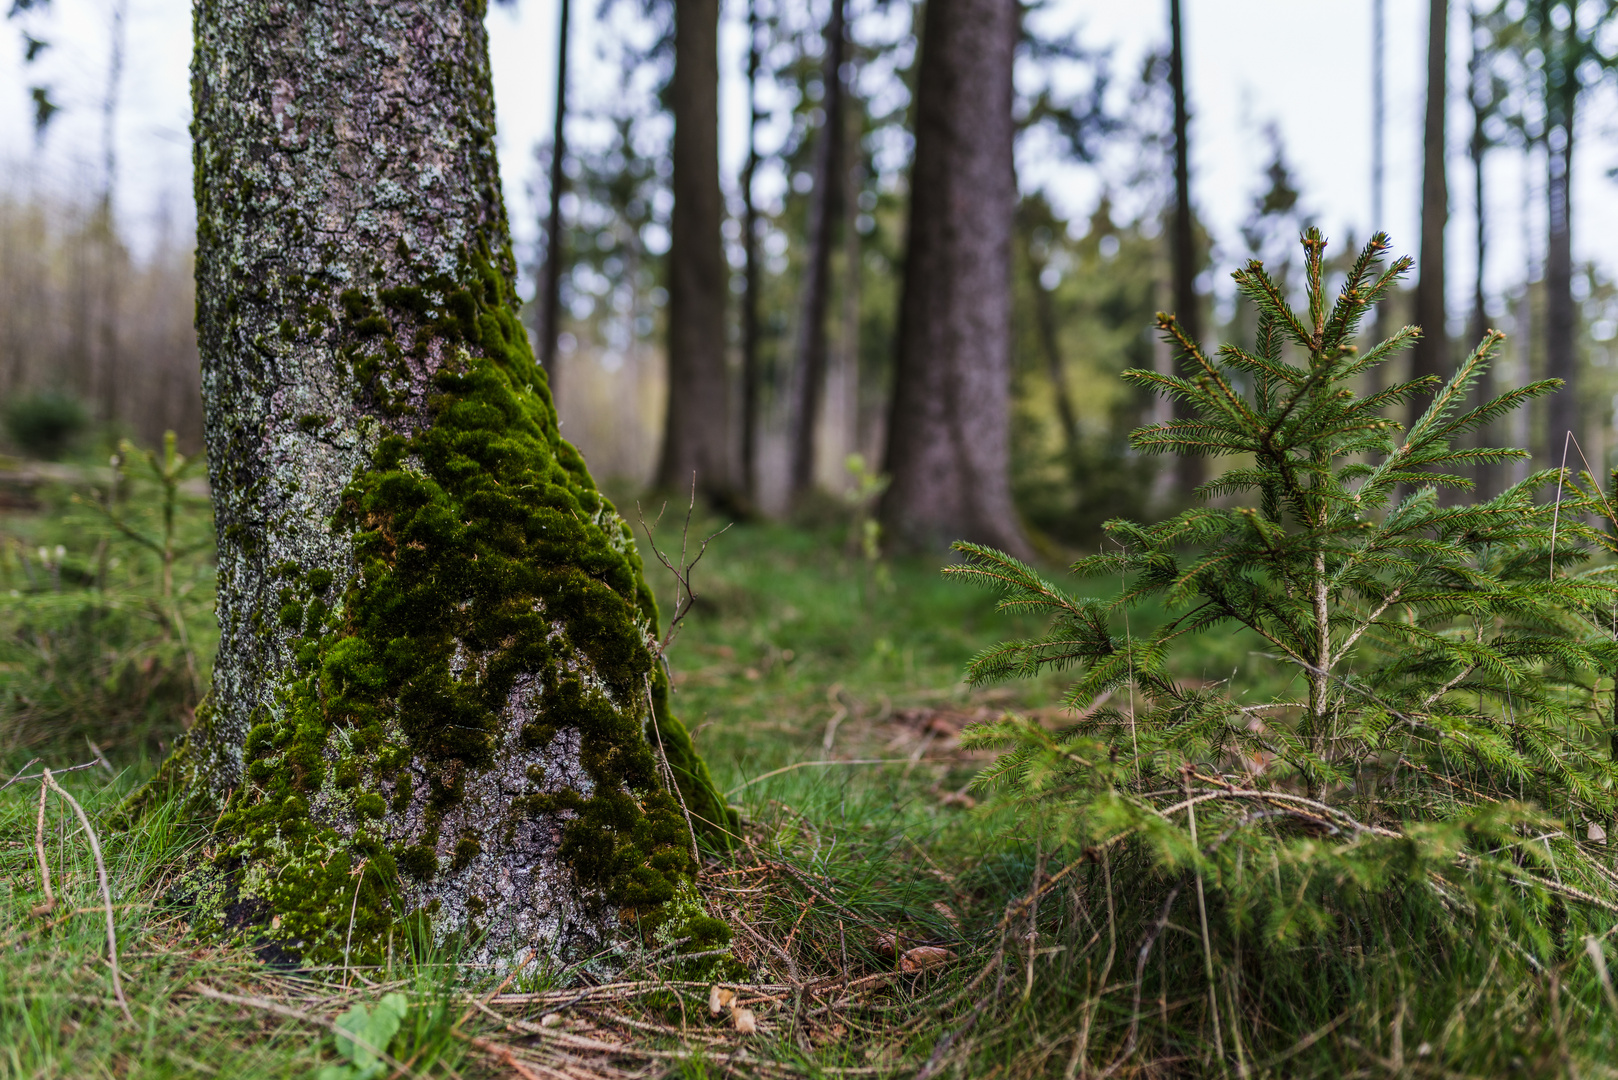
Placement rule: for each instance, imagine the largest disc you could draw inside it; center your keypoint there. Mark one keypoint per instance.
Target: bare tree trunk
(1191, 470)
(550, 305)
(750, 358)
(848, 345)
(825, 211)
(106, 225)
(1562, 407)
(696, 434)
(433, 694)
(1050, 345)
(948, 447)
(1379, 142)
(1431, 354)
(1487, 472)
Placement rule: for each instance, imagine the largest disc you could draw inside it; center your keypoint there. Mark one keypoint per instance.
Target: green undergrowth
(90, 647)
(847, 867)
(58, 1017)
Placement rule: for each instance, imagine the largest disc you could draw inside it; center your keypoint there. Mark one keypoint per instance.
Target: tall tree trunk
(1189, 470)
(696, 433)
(112, 253)
(1562, 407)
(1478, 92)
(433, 692)
(1379, 143)
(1431, 354)
(550, 306)
(848, 344)
(948, 440)
(750, 336)
(825, 211)
(1050, 345)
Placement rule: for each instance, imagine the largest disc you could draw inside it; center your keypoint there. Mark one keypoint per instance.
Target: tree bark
(825, 211)
(750, 294)
(550, 306)
(1190, 469)
(696, 433)
(1562, 407)
(1487, 473)
(1431, 353)
(432, 699)
(948, 441)
(1384, 320)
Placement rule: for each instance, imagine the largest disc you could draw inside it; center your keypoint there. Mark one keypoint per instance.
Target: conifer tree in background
(696, 432)
(1430, 357)
(826, 212)
(1578, 50)
(550, 303)
(948, 441)
(750, 267)
(436, 702)
(1444, 696)
(1379, 139)
(1484, 93)
(1557, 50)
(1036, 225)
(1182, 236)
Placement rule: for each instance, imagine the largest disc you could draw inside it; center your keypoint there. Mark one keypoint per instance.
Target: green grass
(846, 869)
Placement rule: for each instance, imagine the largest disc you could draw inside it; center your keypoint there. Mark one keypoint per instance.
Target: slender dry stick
(1556, 515)
(20, 777)
(31, 763)
(352, 908)
(106, 893)
(674, 783)
(1202, 913)
(1033, 915)
(39, 850)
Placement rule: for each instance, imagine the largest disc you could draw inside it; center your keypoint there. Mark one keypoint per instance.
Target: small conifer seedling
(1417, 743)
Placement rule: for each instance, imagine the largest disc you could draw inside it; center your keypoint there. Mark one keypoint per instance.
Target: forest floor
(825, 692)
(891, 917)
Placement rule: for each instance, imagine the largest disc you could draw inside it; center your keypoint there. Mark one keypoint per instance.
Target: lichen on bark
(436, 705)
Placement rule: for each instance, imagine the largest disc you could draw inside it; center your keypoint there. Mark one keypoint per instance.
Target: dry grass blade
(106, 893)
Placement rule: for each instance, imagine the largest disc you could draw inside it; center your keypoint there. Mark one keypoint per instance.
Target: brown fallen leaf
(948, 913)
(550, 1020)
(744, 1020)
(885, 943)
(719, 998)
(924, 956)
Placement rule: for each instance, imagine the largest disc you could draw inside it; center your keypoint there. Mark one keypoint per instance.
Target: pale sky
(1303, 65)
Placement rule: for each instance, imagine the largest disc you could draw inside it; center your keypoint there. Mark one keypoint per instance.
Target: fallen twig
(19, 778)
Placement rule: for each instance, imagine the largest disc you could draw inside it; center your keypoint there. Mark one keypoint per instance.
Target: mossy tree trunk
(435, 673)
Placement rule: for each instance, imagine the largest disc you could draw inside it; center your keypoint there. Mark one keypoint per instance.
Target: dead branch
(684, 595)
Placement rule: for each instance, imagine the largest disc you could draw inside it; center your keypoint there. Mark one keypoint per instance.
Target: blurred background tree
(794, 233)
